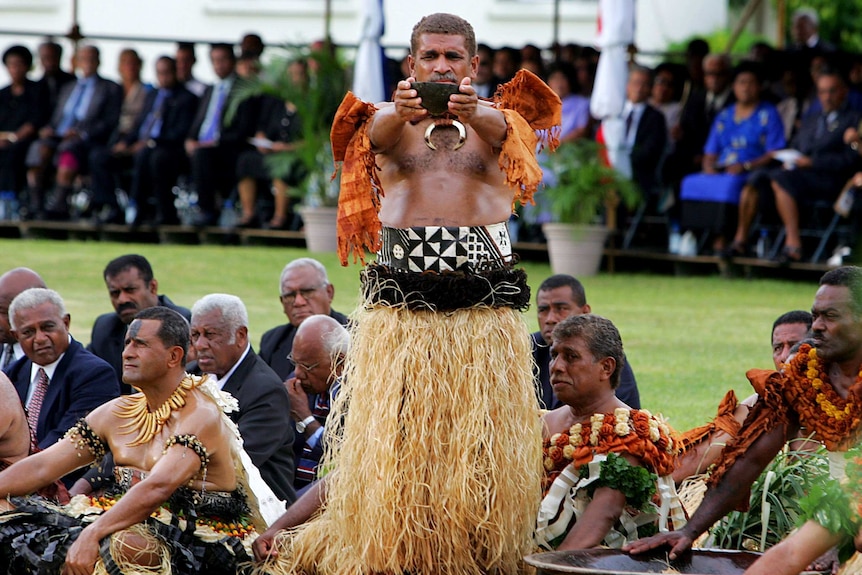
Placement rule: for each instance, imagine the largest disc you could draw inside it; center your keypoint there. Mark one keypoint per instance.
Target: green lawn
(689, 339)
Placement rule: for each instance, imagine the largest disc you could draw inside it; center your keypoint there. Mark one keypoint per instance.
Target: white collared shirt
(221, 381)
(34, 374)
(637, 111)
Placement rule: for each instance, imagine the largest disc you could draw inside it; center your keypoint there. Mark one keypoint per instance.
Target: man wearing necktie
(646, 131)
(59, 381)
(826, 163)
(86, 115)
(214, 145)
(12, 283)
(154, 146)
(696, 118)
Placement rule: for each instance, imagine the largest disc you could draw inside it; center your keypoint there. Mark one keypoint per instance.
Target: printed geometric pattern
(438, 248)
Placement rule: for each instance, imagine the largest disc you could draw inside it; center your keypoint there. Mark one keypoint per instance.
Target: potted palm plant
(582, 190)
(314, 81)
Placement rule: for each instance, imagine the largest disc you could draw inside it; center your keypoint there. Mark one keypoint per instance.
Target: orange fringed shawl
(528, 105)
(723, 421)
(784, 398)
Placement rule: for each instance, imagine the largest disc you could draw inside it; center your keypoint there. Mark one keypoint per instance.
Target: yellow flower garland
(834, 419)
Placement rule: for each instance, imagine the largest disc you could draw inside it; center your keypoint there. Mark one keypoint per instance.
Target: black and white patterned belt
(444, 248)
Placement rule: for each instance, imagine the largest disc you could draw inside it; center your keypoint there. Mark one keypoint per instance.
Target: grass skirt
(438, 459)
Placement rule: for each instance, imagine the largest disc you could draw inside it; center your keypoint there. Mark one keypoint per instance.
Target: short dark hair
(442, 23)
(564, 280)
(133, 54)
(169, 60)
(53, 46)
(601, 336)
(122, 263)
(186, 47)
(21, 52)
(568, 71)
(697, 47)
(749, 67)
(225, 47)
(795, 316)
(849, 277)
(638, 69)
(174, 330)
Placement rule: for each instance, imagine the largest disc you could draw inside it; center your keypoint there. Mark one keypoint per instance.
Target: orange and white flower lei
(625, 431)
(634, 431)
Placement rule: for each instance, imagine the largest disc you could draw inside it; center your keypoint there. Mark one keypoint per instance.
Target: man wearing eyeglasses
(305, 291)
(319, 349)
(219, 334)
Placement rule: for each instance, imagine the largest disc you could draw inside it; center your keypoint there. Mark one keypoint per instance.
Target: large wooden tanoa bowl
(615, 562)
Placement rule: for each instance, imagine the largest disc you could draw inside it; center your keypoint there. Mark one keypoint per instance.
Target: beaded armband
(193, 443)
(82, 436)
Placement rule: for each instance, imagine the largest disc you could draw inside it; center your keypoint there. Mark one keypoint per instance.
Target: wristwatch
(746, 166)
(301, 425)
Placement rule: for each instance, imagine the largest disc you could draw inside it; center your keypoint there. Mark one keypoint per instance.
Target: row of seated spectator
(136, 137)
(287, 387)
(708, 131)
(160, 134)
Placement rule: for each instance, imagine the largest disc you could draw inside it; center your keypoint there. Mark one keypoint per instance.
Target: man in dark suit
(131, 287)
(86, 115)
(805, 30)
(74, 382)
(559, 297)
(698, 113)
(825, 165)
(321, 346)
(154, 146)
(213, 144)
(304, 291)
(219, 335)
(645, 132)
(54, 77)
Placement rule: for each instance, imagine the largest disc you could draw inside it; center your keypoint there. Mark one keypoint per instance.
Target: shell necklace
(148, 423)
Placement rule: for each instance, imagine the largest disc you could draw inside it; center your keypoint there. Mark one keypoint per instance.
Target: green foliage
(840, 23)
(316, 101)
(636, 483)
(584, 183)
(793, 475)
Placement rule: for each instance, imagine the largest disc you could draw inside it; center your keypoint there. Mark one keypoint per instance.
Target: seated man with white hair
(304, 290)
(219, 335)
(319, 349)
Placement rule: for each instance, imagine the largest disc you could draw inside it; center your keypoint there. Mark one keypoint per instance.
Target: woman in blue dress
(742, 139)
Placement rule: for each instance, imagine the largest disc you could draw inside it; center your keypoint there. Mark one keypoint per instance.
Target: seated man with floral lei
(607, 466)
(178, 502)
(819, 389)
